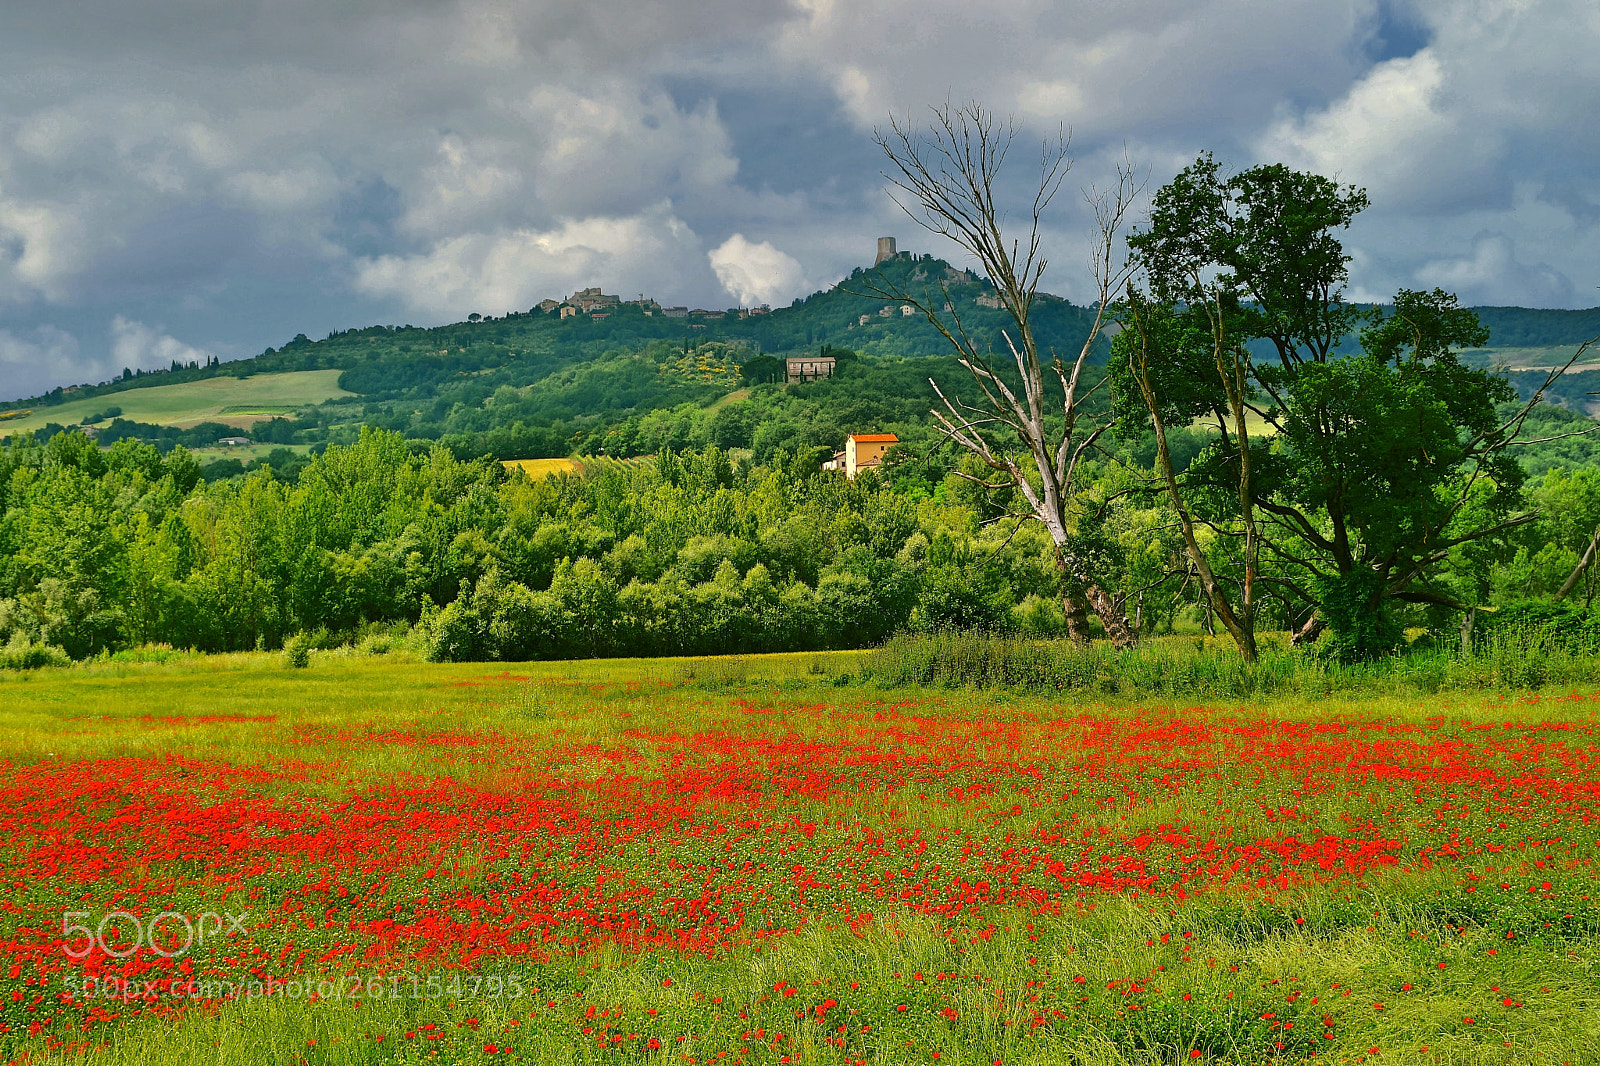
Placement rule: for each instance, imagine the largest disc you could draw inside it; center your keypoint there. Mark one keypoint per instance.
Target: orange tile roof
(874, 438)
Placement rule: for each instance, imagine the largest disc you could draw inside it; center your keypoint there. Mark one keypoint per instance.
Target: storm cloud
(242, 174)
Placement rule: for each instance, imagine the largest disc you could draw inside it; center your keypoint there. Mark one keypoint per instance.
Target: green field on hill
(233, 401)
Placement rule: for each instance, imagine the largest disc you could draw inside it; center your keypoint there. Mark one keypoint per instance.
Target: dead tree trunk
(948, 176)
(1583, 564)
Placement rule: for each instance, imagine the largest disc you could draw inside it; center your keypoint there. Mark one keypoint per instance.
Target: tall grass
(1505, 660)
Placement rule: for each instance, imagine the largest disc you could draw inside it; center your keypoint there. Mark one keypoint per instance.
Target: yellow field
(1258, 426)
(240, 402)
(537, 468)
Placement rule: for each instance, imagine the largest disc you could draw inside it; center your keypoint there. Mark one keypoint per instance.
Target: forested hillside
(407, 362)
(535, 385)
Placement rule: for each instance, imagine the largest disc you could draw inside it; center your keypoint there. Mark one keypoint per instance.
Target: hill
(631, 379)
(389, 362)
(239, 402)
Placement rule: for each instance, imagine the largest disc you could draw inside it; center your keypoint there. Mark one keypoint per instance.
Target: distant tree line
(102, 550)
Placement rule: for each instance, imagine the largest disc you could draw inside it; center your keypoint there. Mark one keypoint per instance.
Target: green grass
(234, 401)
(1196, 666)
(1547, 358)
(1333, 950)
(244, 452)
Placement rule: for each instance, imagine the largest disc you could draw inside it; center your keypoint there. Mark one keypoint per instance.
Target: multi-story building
(808, 368)
(863, 451)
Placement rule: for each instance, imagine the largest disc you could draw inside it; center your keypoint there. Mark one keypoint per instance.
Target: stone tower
(885, 250)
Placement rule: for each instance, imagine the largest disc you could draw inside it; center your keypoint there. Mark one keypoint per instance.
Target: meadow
(763, 859)
(233, 401)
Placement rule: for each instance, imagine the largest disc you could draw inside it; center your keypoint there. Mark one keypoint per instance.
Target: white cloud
(613, 149)
(1376, 134)
(757, 273)
(42, 244)
(34, 365)
(141, 347)
(37, 361)
(284, 190)
(1491, 274)
(1473, 142)
(1107, 69)
(512, 270)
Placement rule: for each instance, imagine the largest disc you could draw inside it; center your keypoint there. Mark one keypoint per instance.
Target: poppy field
(222, 860)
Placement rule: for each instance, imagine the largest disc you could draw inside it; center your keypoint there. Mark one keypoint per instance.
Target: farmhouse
(808, 368)
(865, 450)
(233, 442)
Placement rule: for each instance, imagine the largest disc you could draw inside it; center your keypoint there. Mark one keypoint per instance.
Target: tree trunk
(1309, 630)
(1583, 564)
(1077, 616)
(1112, 616)
(1241, 626)
(1093, 598)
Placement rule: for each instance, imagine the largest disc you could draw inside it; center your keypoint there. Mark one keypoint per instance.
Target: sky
(181, 179)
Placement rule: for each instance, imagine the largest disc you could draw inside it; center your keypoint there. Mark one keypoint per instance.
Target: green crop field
(1547, 358)
(244, 452)
(234, 401)
(764, 859)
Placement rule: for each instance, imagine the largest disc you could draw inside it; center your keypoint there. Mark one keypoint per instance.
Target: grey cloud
(1491, 274)
(244, 174)
(40, 359)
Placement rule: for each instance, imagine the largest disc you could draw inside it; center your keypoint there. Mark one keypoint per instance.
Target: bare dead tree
(945, 178)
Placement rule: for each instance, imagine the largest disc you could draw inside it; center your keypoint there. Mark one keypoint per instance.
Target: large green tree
(1338, 480)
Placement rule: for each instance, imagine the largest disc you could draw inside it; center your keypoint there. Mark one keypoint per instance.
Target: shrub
(297, 651)
(1550, 625)
(24, 654)
(1508, 659)
(148, 653)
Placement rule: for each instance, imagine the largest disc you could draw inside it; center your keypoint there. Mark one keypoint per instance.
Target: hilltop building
(885, 250)
(592, 299)
(863, 451)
